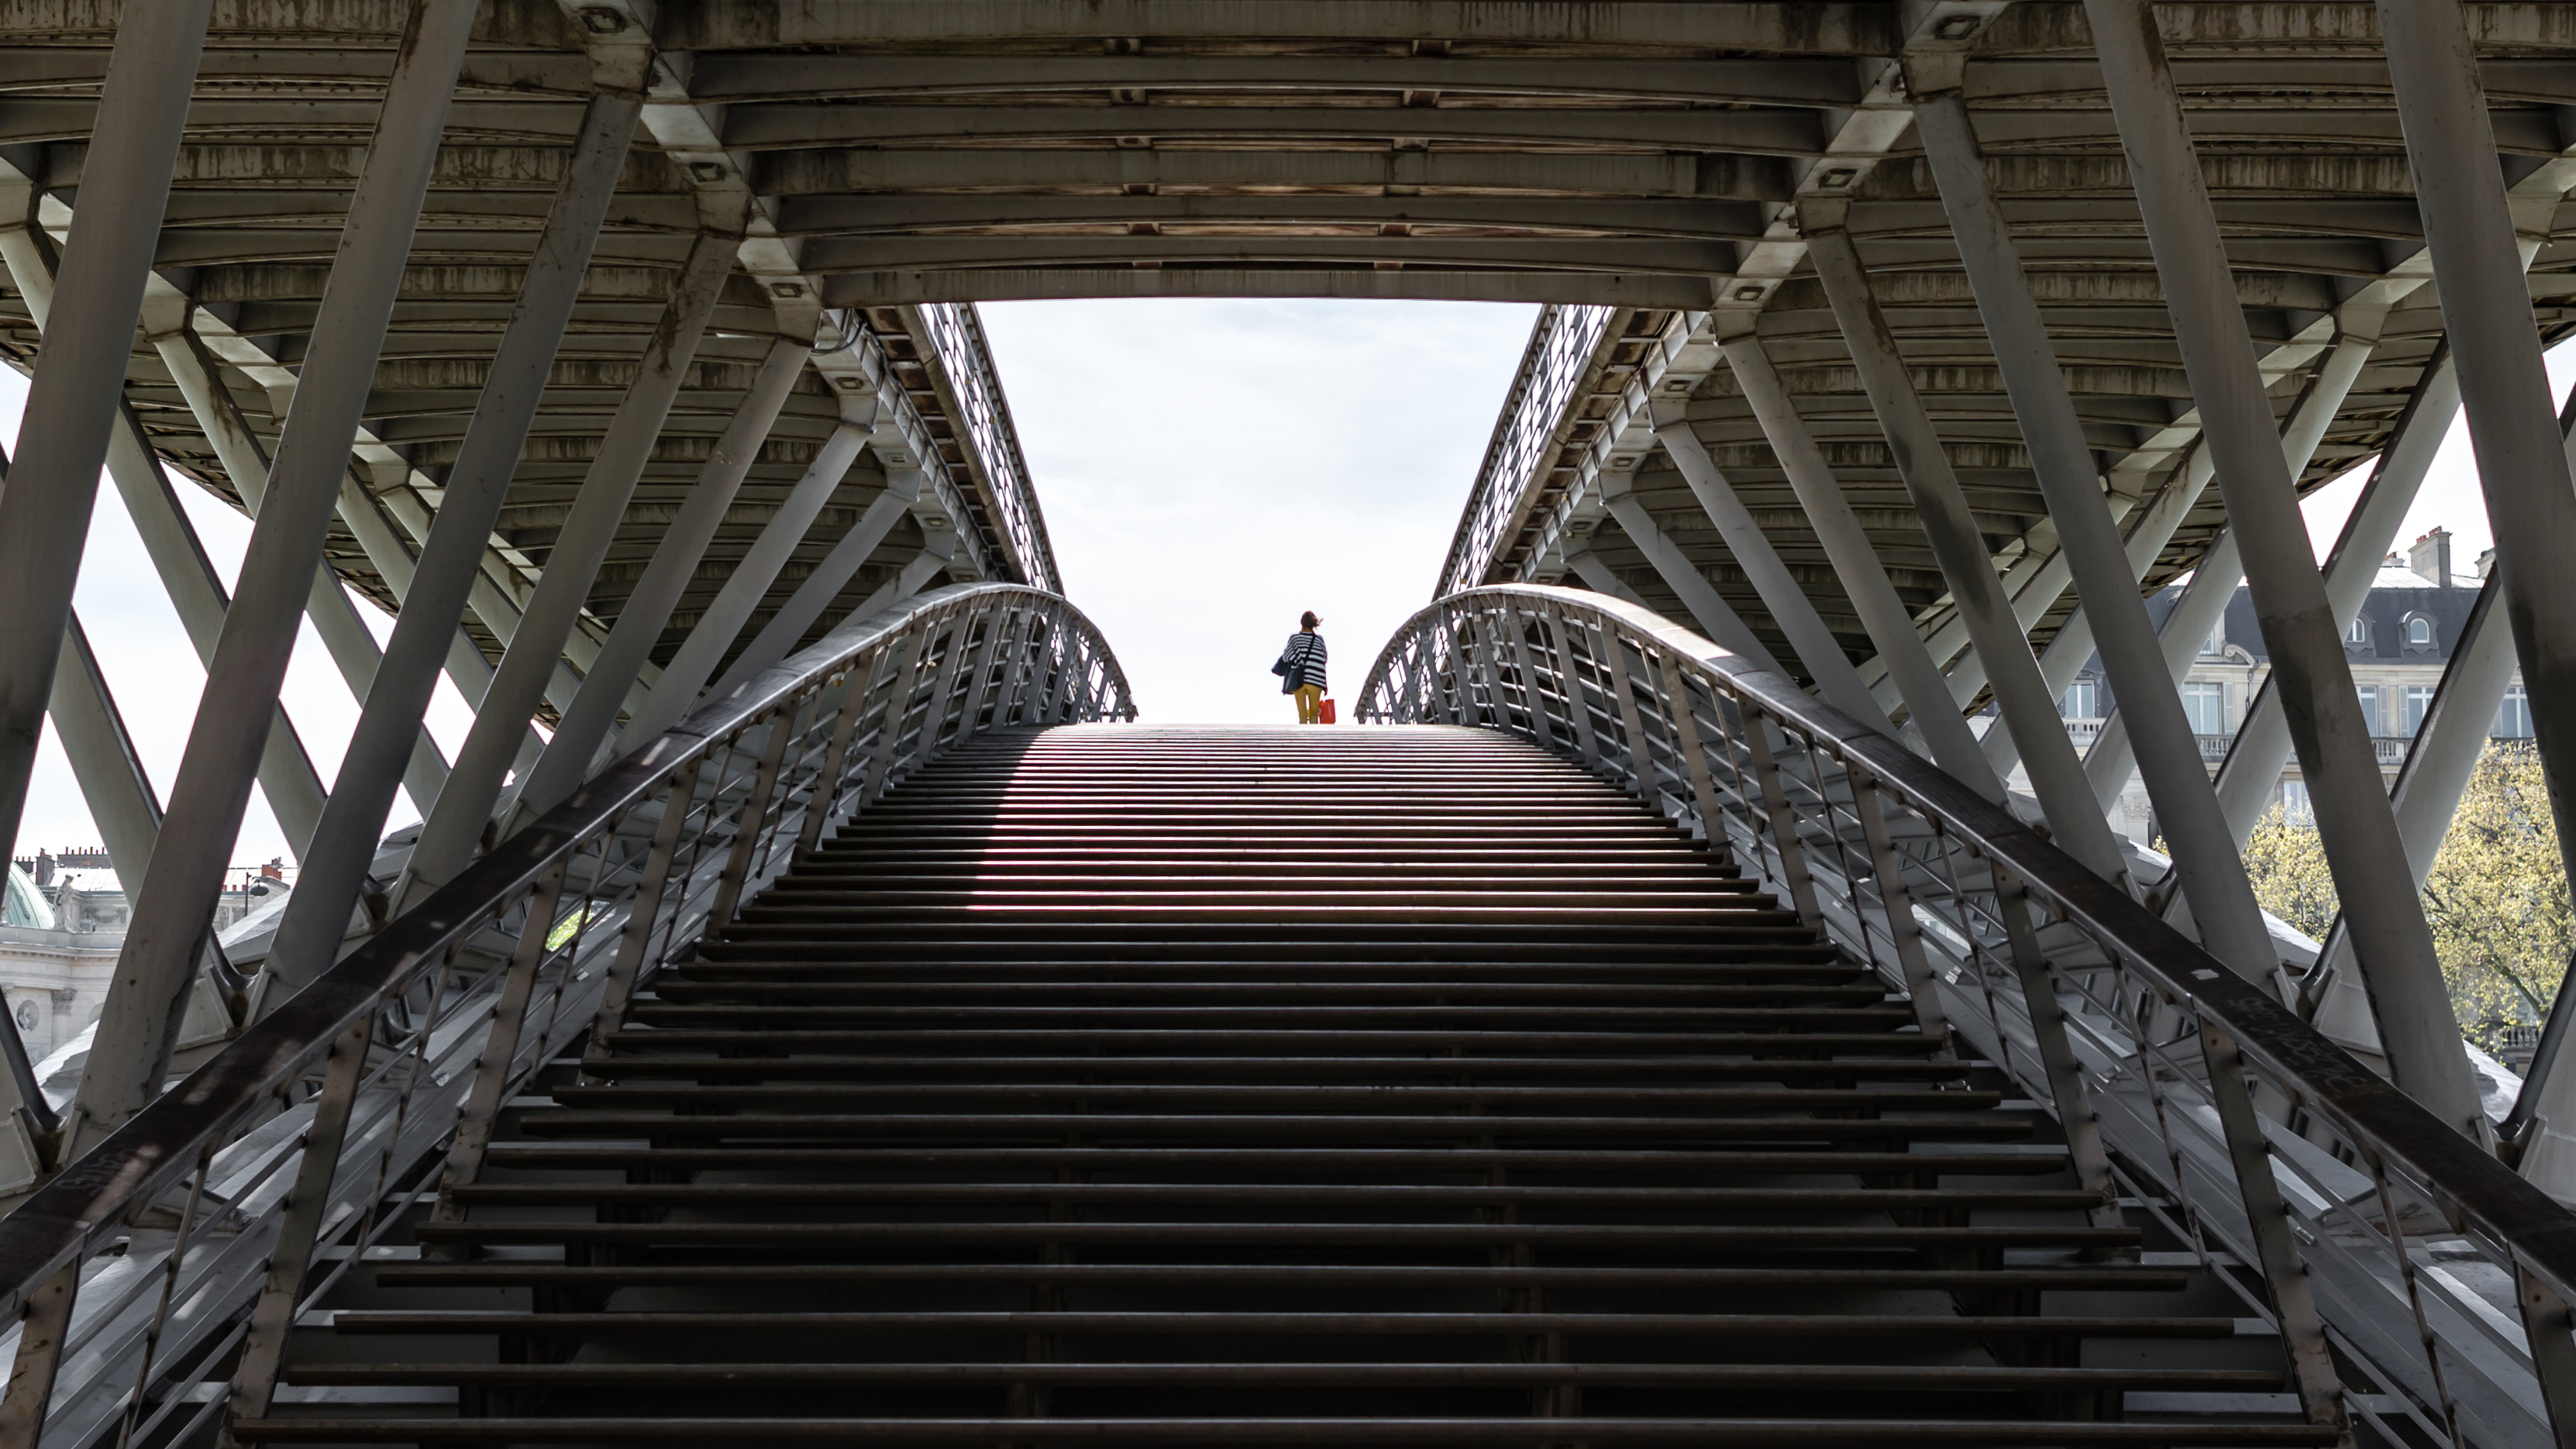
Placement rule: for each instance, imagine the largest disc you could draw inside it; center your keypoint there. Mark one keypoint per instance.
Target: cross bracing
(626, 354)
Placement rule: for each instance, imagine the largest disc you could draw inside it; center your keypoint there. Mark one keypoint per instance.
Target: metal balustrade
(2419, 1286)
(1558, 354)
(155, 1280)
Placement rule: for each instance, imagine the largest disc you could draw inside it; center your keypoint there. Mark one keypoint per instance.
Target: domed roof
(21, 904)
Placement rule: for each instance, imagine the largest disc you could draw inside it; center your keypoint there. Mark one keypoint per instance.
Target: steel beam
(453, 830)
(2029, 711)
(585, 727)
(197, 595)
(335, 619)
(2363, 848)
(1929, 709)
(777, 639)
(79, 383)
(676, 692)
(2213, 875)
(2221, 568)
(1836, 681)
(2504, 383)
(142, 1013)
(2252, 772)
(317, 917)
(1717, 619)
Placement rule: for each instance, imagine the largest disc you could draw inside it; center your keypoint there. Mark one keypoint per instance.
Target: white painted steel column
(777, 639)
(1717, 619)
(676, 692)
(2504, 384)
(2253, 768)
(448, 840)
(478, 480)
(585, 727)
(2028, 709)
(141, 1017)
(2359, 831)
(1837, 683)
(1929, 708)
(79, 380)
(2212, 872)
(335, 618)
(2204, 600)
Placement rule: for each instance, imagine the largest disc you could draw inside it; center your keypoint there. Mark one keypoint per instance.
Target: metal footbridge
(1700, 1001)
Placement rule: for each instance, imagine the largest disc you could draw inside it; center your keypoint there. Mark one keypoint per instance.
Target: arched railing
(2420, 1288)
(154, 1282)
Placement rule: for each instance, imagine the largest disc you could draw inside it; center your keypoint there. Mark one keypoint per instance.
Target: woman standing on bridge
(1301, 669)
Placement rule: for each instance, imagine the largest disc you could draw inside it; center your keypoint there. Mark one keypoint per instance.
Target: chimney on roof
(2486, 564)
(2430, 558)
(44, 871)
(274, 870)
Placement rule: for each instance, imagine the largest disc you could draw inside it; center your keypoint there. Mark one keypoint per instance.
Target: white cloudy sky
(1208, 469)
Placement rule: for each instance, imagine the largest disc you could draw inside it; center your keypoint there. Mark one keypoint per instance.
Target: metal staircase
(1609, 1044)
(1367, 1085)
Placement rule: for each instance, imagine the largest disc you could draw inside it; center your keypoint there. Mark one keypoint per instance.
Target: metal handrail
(2314, 1188)
(208, 1221)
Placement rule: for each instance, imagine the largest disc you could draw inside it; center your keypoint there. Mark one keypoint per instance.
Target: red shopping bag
(1328, 712)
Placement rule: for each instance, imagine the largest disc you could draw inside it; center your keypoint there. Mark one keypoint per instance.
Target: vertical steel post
(1516, 629)
(501, 1042)
(2213, 875)
(1642, 780)
(47, 1322)
(142, 1014)
(650, 887)
(2545, 1320)
(79, 381)
(1896, 903)
(1786, 847)
(1930, 711)
(749, 819)
(899, 709)
(464, 809)
(2363, 850)
(567, 760)
(317, 916)
(1578, 705)
(2029, 711)
(272, 1318)
(1712, 820)
(2276, 1250)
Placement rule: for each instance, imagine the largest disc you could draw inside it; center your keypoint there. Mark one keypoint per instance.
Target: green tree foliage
(2497, 897)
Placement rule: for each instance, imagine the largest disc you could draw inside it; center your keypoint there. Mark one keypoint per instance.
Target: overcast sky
(1208, 469)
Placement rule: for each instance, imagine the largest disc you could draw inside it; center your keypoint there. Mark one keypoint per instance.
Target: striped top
(1305, 659)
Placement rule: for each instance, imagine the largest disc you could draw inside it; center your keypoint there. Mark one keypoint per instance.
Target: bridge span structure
(813, 1008)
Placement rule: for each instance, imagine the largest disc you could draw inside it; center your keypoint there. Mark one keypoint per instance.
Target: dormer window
(2419, 632)
(2358, 636)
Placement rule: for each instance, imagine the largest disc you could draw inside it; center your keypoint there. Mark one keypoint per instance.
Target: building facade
(2398, 647)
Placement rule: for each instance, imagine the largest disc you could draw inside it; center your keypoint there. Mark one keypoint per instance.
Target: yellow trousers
(1310, 704)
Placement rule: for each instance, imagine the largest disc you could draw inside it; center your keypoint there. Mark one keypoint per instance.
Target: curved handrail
(505, 942)
(1802, 793)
